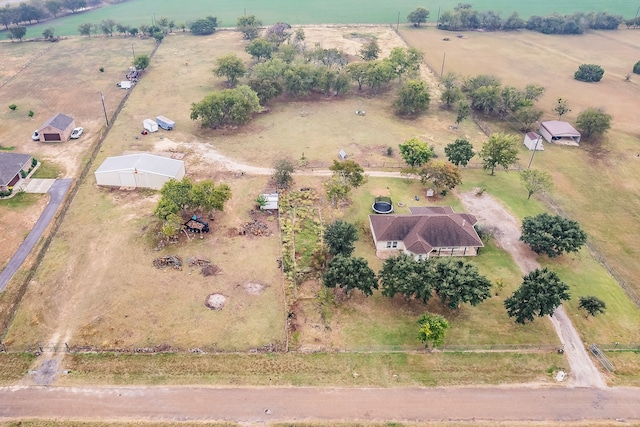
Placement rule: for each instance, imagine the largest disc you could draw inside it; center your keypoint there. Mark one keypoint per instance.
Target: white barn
(533, 141)
(558, 132)
(139, 171)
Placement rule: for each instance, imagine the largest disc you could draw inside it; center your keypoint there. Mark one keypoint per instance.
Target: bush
(13, 107)
(31, 113)
(203, 27)
(34, 162)
(589, 73)
(102, 69)
(636, 68)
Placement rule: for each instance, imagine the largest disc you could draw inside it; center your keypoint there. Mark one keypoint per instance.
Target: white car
(76, 133)
(35, 136)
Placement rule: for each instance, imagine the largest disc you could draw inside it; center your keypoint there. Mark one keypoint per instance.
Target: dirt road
(492, 214)
(260, 405)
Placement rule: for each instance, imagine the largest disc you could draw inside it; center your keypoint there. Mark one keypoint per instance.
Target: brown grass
(14, 366)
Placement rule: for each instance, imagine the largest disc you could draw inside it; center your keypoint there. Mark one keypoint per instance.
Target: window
(388, 245)
(394, 245)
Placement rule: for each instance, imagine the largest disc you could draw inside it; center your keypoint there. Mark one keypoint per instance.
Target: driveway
(57, 192)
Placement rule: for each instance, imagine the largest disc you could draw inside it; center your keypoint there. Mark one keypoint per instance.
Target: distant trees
(589, 73)
(535, 180)
(370, 51)
(500, 150)
(178, 196)
(203, 27)
(459, 152)
(350, 273)
(418, 16)
(540, 294)
(17, 32)
(593, 123)
(249, 26)
(231, 67)
(592, 306)
(226, 107)
(413, 98)
(340, 237)
(415, 153)
(85, 29)
(47, 33)
(552, 234)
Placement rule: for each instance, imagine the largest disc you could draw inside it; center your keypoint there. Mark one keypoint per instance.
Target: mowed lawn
(137, 12)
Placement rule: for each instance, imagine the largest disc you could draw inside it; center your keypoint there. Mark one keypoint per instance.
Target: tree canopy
(370, 50)
(177, 196)
(141, 62)
(589, 73)
(350, 273)
(539, 295)
(231, 67)
(413, 98)
(593, 123)
(459, 152)
(418, 16)
(592, 306)
(260, 49)
(340, 237)
(442, 175)
(415, 153)
(226, 107)
(459, 282)
(203, 27)
(500, 150)
(552, 234)
(404, 275)
(432, 329)
(349, 172)
(535, 180)
(283, 173)
(248, 25)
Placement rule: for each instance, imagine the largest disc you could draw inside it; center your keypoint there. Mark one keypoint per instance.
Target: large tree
(432, 329)
(249, 26)
(552, 234)
(283, 173)
(451, 92)
(405, 276)
(349, 172)
(178, 196)
(459, 282)
(589, 73)
(443, 175)
(340, 237)
(593, 123)
(535, 180)
(540, 294)
(350, 273)
(358, 72)
(418, 16)
(500, 150)
(459, 152)
(260, 49)
(413, 98)
(231, 67)
(370, 50)
(226, 107)
(592, 306)
(203, 27)
(17, 32)
(415, 153)
(141, 62)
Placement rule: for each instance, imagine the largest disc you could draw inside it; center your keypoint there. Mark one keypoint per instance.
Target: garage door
(52, 137)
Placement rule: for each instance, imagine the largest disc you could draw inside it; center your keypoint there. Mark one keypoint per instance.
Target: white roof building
(139, 171)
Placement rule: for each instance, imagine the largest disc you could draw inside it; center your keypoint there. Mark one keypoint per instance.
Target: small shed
(533, 141)
(272, 202)
(343, 155)
(12, 165)
(57, 129)
(559, 132)
(139, 171)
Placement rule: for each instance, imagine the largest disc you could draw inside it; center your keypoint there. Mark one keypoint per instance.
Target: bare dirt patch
(254, 288)
(215, 301)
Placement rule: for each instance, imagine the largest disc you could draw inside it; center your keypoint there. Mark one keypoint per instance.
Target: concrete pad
(39, 185)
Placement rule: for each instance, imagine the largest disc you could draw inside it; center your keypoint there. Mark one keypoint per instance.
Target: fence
(601, 357)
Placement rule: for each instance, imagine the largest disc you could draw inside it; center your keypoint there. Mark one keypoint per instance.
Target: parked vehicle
(75, 134)
(165, 123)
(150, 125)
(35, 136)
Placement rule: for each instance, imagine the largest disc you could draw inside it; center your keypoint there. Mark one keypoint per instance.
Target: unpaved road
(491, 213)
(260, 405)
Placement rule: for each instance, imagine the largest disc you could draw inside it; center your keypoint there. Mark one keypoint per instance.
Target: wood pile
(173, 261)
(255, 227)
(198, 262)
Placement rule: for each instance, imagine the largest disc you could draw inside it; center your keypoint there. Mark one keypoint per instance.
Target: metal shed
(559, 132)
(139, 171)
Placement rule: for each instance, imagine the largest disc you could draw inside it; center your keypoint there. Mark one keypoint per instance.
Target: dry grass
(627, 368)
(14, 366)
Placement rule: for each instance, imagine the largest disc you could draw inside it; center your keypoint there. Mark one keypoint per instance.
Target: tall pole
(133, 52)
(444, 56)
(106, 119)
(535, 148)
(438, 20)
(398, 24)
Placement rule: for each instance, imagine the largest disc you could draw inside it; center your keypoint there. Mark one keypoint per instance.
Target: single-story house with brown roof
(559, 132)
(11, 167)
(57, 129)
(426, 232)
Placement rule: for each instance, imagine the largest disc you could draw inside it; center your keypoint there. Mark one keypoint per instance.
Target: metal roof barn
(139, 171)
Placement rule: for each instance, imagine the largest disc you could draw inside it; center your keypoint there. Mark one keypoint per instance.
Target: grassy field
(136, 12)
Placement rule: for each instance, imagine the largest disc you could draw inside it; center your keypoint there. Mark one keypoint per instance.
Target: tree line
(464, 17)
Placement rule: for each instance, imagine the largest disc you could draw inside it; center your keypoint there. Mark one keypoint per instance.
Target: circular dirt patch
(254, 288)
(215, 301)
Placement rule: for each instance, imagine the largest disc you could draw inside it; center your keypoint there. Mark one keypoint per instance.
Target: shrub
(23, 174)
(31, 113)
(34, 162)
(636, 67)
(102, 69)
(589, 73)
(13, 107)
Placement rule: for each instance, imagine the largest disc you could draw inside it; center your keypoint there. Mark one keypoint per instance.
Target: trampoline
(382, 205)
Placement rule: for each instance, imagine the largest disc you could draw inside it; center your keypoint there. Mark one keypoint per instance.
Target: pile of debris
(173, 261)
(198, 262)
(255, 227)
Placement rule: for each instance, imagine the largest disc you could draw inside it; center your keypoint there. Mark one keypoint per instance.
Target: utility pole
(444, 56)
(398, 24)
(438, 20)
(133, 52)
(535, 148)
(106, 118)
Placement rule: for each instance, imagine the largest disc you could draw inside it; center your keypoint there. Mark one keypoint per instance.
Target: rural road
(261, 405)
(57, 192)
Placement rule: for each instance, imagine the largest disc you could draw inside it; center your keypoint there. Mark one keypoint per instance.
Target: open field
(596, 184)
(136, 12)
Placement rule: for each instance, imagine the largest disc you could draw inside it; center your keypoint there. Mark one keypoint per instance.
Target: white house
(533, 141)
(139, 171)
(559, 132)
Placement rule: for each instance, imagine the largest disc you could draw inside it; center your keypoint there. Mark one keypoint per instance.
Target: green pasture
(136, 12)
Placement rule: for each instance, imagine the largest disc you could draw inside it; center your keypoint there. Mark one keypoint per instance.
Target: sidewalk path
(57, 192)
